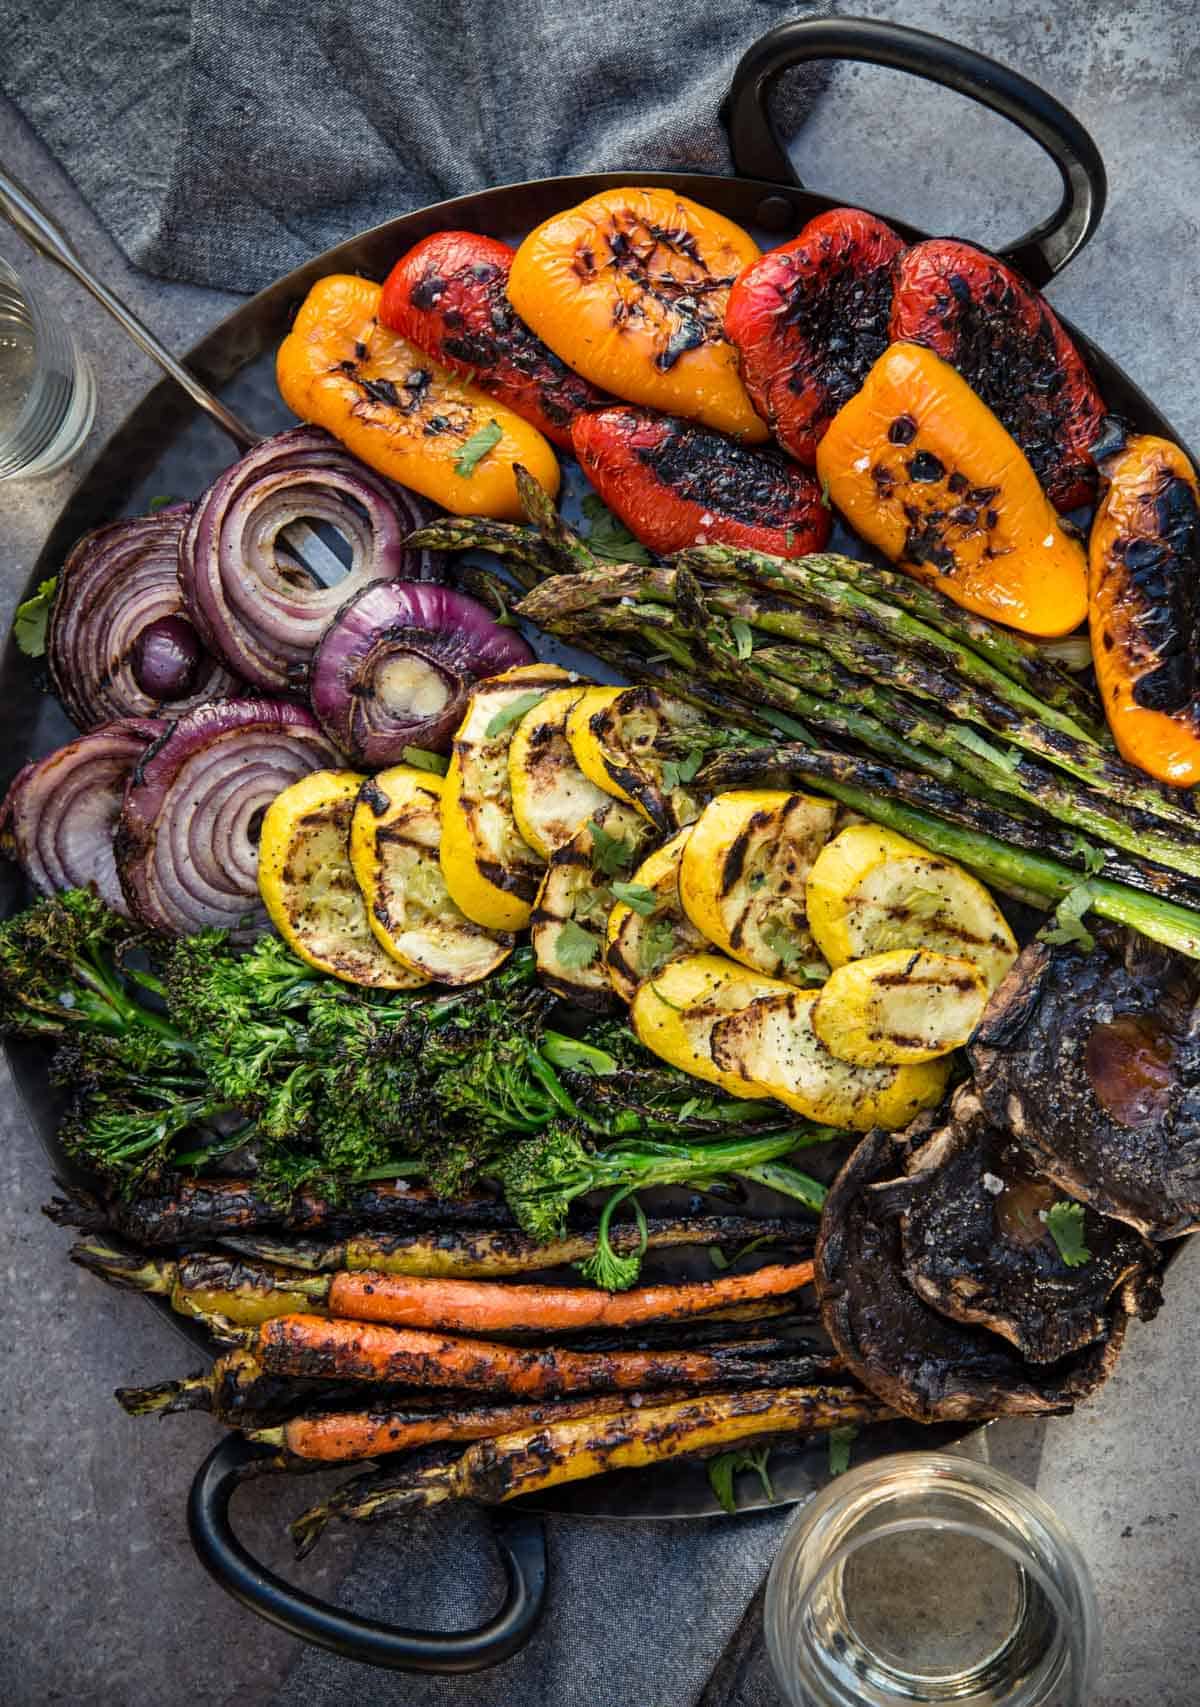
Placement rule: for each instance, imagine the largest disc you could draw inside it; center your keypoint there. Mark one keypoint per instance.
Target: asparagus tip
(75, 1208)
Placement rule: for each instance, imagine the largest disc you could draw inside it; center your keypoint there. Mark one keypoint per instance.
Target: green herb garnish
(421, 759)
(609, 538)
(1064, 1223)
(779, 939)
(29, 623)
(636, 895)
(477, 447)
(840, 1442)
(656, 944)
(513, 713)
(723, 1468)
(161, 502)
(1068, 919)
(677, 773)
(574, 947)
(610, 854)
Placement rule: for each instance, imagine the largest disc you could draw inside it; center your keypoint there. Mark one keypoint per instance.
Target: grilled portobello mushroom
(1091, 1061)
(976, 1247)
(926, 1366)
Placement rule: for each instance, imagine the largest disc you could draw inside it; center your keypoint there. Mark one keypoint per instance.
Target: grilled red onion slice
(256, 606)
(118, 642)
(61, 811)
(187, 840)
(397, 664)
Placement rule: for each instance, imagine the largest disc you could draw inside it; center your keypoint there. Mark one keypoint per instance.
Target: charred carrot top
(325, 1349)
(466, 1306)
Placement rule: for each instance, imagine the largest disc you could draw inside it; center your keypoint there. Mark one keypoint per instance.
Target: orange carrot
(474, 1307)
(328, 1349)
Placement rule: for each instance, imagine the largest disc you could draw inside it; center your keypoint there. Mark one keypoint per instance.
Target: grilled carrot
(534, 1459)
(476, 1307)
(467, 1254)
(192, 1209)
(347, 1435)
(328, 1349)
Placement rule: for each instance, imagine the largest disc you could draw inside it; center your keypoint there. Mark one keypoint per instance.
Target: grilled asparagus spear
(534, 1459)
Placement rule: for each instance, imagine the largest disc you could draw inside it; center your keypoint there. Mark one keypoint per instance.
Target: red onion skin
(117, 584)
(61, 811)
(263, 620)
(452, 632)
(186, 847)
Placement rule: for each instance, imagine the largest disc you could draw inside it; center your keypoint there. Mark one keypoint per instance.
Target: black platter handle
(520, 1536)
(759, 153)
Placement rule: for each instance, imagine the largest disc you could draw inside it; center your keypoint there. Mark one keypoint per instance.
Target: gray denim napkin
(224, 142)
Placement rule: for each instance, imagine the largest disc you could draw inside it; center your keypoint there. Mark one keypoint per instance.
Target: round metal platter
(167, 448)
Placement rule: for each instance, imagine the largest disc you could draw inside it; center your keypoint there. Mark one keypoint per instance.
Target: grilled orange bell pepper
(1143, 598)
(629, 289)
(400, 411)
(921, 468)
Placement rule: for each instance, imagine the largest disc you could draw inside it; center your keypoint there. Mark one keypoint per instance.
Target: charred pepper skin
(809, 320)
(675, 483)
(1144, 607)
(1005, 340)
(449, 296)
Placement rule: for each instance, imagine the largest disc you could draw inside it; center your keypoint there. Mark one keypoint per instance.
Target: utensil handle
(520, 1536)
(759, 153)
(26, 214)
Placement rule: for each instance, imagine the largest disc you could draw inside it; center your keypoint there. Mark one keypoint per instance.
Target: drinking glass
(929, 1578)
(47, 393)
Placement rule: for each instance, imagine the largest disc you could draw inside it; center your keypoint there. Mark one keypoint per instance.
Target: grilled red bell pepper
(1003, 337)
(448, 295)
(810, 318)
(675, 483)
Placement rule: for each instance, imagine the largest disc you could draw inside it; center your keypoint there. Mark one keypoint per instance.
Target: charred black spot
(926, 468)
(753, 485)
(427, 290)
(903, 430)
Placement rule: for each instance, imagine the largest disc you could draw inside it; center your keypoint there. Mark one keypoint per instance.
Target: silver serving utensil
(26, 214)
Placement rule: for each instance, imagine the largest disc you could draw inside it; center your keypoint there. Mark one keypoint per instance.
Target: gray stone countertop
(105, 1600)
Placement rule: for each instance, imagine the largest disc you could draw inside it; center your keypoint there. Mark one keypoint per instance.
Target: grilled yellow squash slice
(898, 1008)
(551, 797)
(871, 890)
(771, 1044)
(676, 1013)
(395, 836)
(650, 928)
(575, 899)
(743, 872)
(643, 747)
(491, 871)
(308, 887)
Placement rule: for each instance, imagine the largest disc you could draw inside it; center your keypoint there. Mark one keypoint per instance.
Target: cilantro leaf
(779, 939)
(726, 1465)
(1006, 758)
(1094, 859)
(1064, 1223)
(719, 1260)
(477, 447)
(840, 1441)
(610, 854)
(825, 498)
(743, 637)
(677, 773)
(513, 712)
(638, 896)
(609, 538)
(29, 623)
(575, 948)
(1068, 919)
(421, 759)
(161, 502)
(655, 946)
